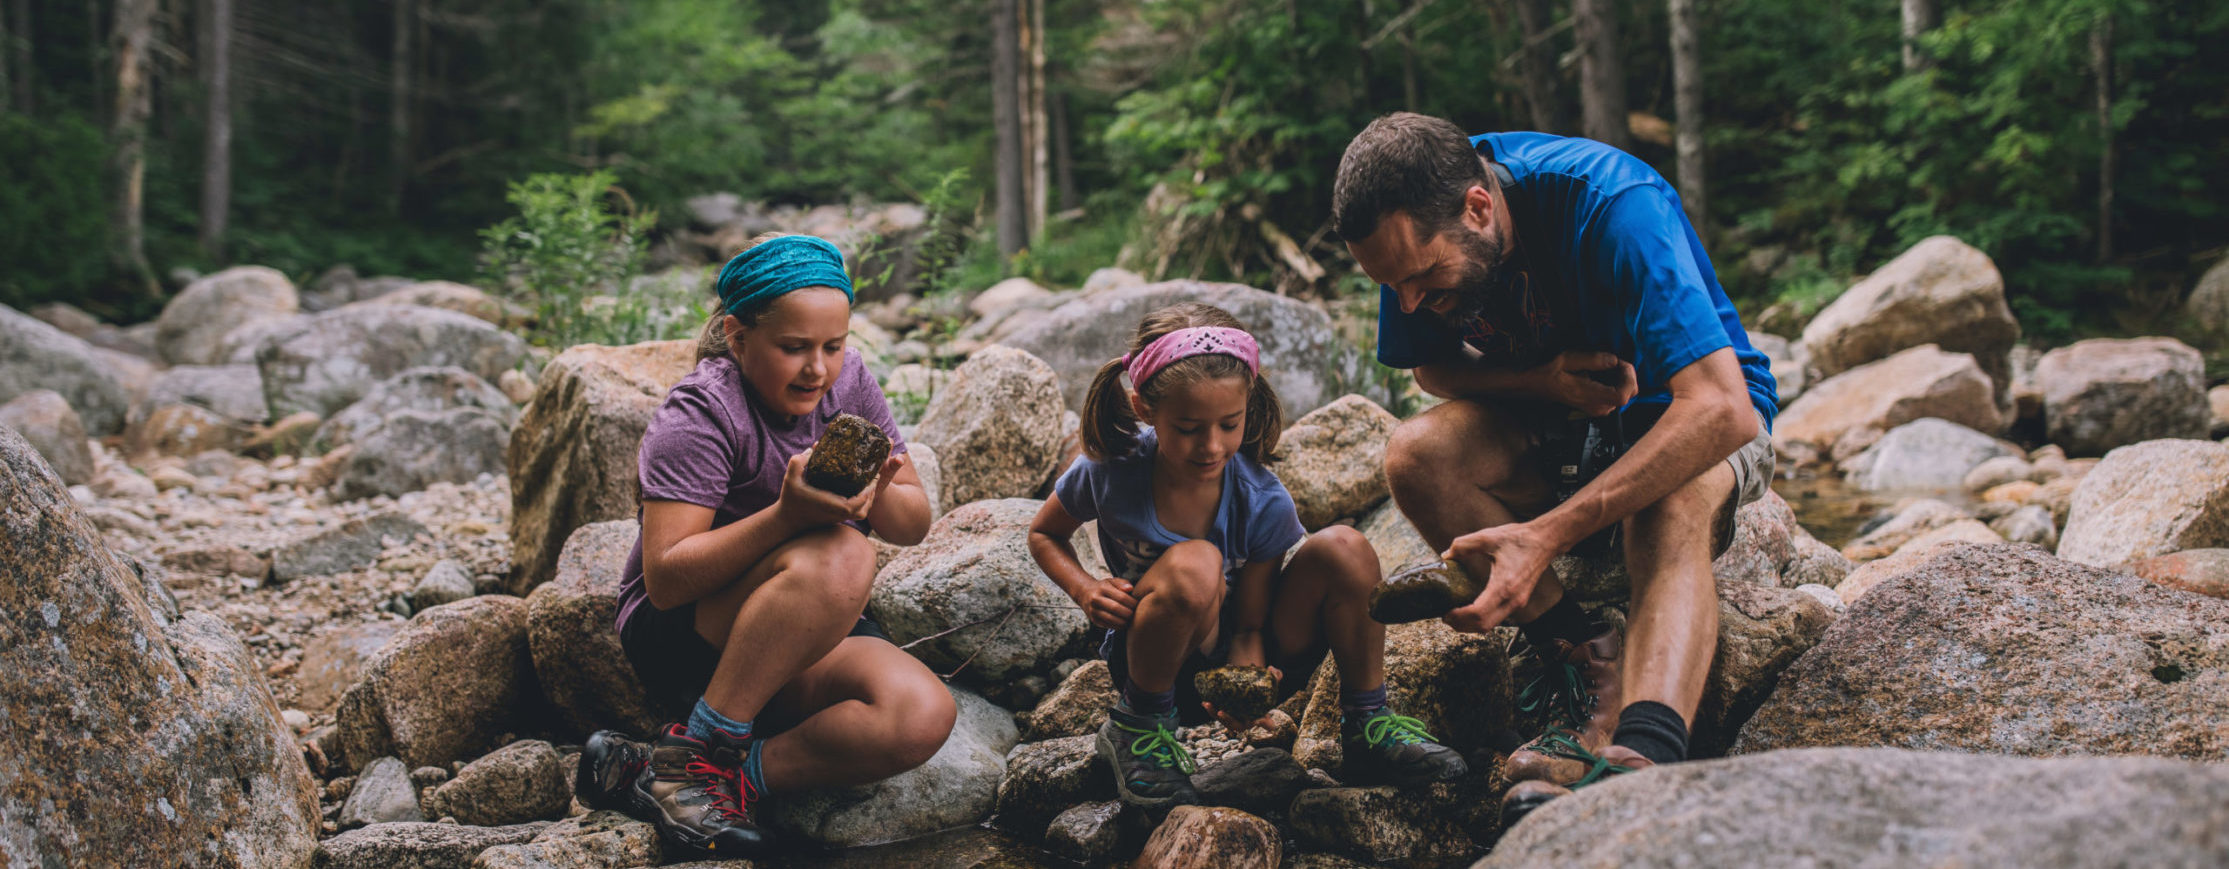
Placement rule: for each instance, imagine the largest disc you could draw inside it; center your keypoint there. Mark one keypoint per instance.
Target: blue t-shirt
(1607, 261)
(1255, 520)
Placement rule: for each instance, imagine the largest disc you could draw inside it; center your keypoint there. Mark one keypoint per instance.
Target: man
(1534, 281)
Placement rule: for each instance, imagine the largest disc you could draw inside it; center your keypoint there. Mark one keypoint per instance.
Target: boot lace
(731, 791)
(1160, 747)
(1560, 744)
(1558, 692)
(1396, 729)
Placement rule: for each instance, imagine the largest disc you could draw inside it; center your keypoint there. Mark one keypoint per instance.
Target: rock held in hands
(848, 456)
(1245, 692)
(1422, 591)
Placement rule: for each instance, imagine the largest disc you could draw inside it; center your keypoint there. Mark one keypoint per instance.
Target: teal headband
(779, 266)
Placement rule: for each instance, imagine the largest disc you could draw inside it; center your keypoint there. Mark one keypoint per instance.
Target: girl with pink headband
(1210, 565)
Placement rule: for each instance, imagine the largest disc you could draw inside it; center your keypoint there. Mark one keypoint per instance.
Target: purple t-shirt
(714, 445)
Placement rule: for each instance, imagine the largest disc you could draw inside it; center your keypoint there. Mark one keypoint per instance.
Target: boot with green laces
(1151, 768)
(1384, 747)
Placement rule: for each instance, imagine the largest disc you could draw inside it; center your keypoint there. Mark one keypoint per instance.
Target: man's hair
(1404, 162)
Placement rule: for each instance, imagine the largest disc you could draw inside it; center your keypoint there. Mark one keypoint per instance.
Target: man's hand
(1512, 558)
(1590, 382)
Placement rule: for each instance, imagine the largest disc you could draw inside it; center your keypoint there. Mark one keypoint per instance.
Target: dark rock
(1426, 590)
(1379, 825)
(1456, 684)
(1078, 706)
(848, 456)
(1195, 836)
(1244, 692)
(523, 781)
(417, 845)
(354, 545)
(1045, 778)
(1262, 781)
(1088, 833)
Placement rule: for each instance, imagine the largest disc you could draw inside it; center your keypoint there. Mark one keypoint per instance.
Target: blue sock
(704, 719)
(751, 771)
(1359, 703)
(1145, 702)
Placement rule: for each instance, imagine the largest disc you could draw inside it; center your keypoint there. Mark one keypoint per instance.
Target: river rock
(572, 456)
(1078, 706)
(1045, 778)
(1005, 295)
(975, 568)
(523, 781)
(354, 544)
(582, 668)
(1879, 807)
(1764, 543)
(2149, 499)
(234, 392)
(1815, 563)
(1912, 554)
(1915, 518)
(1924, 454)
(446, 582)
(1761, 630)
(1382, 825)
(2199, 571)
(1089, 834)
(411, 450)
(422, 845)
(328, 361)
(1263, 781)
(1456, 684)
(443, 689)
(1196, 836)
(996, 428)
(1997, 471)
(382, 794)
(1790, 364)
(1941, 291)
(597, 840)
(2208, 305)
(426, 390)
(1845, 413)
(334, 659)
(1301, 353)
(194, 323)
(182, 430)
(44, 419)
(957, 787)
(1335, 460)
(2008, 650)
(34, 355)
(450, 296)
(2029, 524)
(2108, 392)
(90, 674)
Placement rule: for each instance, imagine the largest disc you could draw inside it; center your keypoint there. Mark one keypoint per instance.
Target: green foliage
(50, 181)
(573, 260)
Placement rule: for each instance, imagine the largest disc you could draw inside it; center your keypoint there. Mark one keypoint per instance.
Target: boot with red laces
(697, 796)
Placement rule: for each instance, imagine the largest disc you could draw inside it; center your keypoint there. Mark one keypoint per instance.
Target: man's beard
(1485, 280)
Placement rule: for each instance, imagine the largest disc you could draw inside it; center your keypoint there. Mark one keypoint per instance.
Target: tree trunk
(1543, 84)
(2101, 63)
(1687, 102)
(1601, 74)
(216, 152)
(1006, 121)
(1039, 127)
(398, 105)
(1064, 163)
(132, 38)
(1409, 98)
(1919, 17)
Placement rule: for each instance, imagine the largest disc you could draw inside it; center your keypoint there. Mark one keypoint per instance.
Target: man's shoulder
(1542, 161)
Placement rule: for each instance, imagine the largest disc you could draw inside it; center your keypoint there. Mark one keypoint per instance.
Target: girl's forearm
(900, 514)
(707, 561)
(1057, 557)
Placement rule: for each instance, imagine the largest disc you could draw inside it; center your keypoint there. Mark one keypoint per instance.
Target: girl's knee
(1347, 552)
(923, 716)
(1191, 571)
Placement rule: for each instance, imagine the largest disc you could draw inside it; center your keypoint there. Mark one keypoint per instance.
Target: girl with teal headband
(742, 604)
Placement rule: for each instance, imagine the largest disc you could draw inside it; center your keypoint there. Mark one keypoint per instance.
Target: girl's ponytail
(1265, 422)
(1109, 426)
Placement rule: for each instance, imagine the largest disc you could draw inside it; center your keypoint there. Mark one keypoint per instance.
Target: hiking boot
(1152, 769)
(609, 764)
(696, 795)
(1383, 747)
(1525, 796)
(1577, 690)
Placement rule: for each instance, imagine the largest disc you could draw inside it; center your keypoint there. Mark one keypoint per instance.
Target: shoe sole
(1106, 751)
(588, 781)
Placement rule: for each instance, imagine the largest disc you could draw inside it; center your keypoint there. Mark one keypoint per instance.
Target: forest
(2077, 142)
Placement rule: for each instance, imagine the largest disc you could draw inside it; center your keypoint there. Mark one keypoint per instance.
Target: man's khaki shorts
(1752, 465)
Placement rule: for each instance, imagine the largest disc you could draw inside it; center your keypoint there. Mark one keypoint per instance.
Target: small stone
(2029, 524)
(446, 582)
(1243, 692)
(1280, 732)
(1087, 833)
(1422, 591)
(168, 478)
(428, 776)
(296, 719)
(382, 794)
(515, 385)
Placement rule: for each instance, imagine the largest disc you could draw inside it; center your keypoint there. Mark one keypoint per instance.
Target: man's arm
(1591, 382)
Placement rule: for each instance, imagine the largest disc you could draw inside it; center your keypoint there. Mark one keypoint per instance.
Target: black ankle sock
(1565, 621)
(1653, 730)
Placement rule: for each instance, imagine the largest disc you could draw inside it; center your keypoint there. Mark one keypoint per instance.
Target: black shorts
(675, 664)
(1299, 668)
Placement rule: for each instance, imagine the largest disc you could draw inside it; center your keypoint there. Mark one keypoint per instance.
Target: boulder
(426, 390)
(996, 427)
(182, 430)
(1045, 778)
(413, 449)
(138, 737)
(1761, 630)
(931, 471)
(1790, 364)
(1815, 564)
(1078, 706)
(1912, 554)
(2149, 499)
(2198, 571)
(382, 794)
(1941, 291)
(1305, 359)
(326, 362)
(1882, 807)
(443, 689)
(1107, 279)
(1997, 471)
(194, 323)
(974, 569)
(352, 545)
(1925, 454)
(234, 392)
(1385, 825)
(44, 419)
(572, 456)
(448, 296)
(523, 781)
(423, 845)
(2008, 650)
(2208, 305)
(1263, 781)
(34, 355)
(577, 657)
(2109, 392)
(1396, 540)
(1913, 519)
(1765, 542)
(957, 787)
(1006, 295)
(1334, 460)
(334, 659)
(1195, 837)
(1456, 684)
(597, 840)
(1847, 412)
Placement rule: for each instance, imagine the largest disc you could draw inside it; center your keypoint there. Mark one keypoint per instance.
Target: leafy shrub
(574, 260)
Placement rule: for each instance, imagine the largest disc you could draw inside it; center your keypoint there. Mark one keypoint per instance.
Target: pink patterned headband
(1186, 343)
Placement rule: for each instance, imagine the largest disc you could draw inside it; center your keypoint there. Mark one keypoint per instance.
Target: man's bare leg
(1459, 467)
(1672, 632)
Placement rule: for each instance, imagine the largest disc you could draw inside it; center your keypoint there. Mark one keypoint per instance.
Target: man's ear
(1478, 207)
